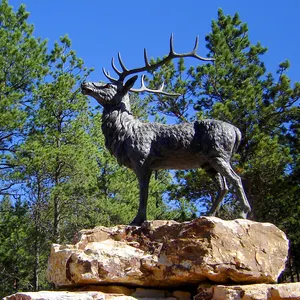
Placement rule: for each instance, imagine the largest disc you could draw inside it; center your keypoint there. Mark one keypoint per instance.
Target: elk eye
(95, 85)
(108, 85)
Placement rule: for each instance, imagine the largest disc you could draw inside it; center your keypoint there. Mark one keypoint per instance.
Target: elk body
(146, 147)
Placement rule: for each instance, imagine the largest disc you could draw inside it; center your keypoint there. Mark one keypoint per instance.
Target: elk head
(110, 94)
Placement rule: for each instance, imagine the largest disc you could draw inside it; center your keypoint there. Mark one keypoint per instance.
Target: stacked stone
(207, 258)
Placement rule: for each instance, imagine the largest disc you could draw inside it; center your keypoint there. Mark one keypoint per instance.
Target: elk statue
(146, 147)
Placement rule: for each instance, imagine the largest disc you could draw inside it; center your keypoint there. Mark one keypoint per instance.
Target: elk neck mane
(119, 126)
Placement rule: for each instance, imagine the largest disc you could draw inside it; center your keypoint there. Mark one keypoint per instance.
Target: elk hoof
(137, 221)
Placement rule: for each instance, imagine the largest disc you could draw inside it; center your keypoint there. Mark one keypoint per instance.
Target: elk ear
(129, 83)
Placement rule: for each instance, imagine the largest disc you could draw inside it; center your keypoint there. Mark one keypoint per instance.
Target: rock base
(104, 293)
(166, 260)
(287, 291)
(167, 254)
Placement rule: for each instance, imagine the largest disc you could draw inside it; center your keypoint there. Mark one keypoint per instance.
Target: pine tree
(241, 92)
(15, 250)
(58, 154)
(22, 62)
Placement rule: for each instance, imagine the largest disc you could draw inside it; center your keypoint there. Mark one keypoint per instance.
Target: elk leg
(143, 178)
(222, 191)
(224, 168)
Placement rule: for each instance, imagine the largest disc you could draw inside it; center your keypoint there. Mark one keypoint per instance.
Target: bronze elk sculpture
(146, 147)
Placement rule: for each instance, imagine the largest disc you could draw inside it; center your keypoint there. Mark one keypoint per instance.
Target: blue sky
(99, 29)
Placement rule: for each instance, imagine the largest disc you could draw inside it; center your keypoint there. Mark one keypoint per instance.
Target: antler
(149, 67)
(143, 88)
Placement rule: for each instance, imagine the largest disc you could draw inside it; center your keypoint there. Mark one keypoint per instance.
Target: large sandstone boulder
(168, 254)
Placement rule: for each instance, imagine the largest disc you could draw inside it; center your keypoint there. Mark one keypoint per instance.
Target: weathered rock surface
(104, 293)
(168, 254)
(285, 291)
(47, 295)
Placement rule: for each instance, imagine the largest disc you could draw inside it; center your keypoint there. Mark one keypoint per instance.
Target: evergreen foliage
(15, 250)
(22, 63)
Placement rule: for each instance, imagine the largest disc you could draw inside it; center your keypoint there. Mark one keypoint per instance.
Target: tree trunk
(291, 268)
(36, 265)
(56, 231)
